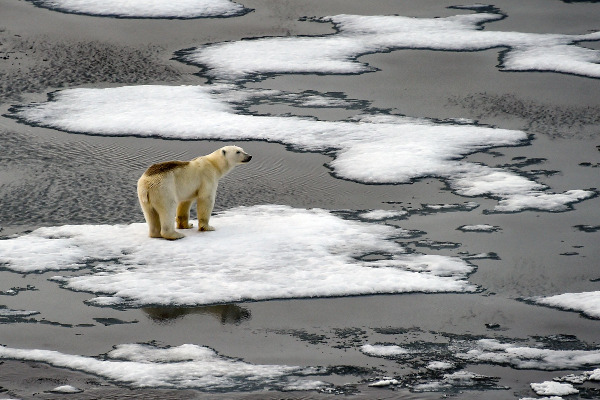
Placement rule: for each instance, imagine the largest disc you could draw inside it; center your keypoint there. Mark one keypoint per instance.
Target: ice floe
(181, 9)
(256, 253)
(358, 35)
(522, 357)
(371, 148)
(588, 303)
(185, 366)
(553, 388)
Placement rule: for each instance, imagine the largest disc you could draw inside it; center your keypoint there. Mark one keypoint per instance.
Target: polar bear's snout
(247, 159)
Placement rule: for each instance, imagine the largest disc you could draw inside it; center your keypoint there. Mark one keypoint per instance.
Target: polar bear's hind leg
(183, 215)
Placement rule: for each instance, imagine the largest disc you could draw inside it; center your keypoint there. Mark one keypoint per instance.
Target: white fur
(166, 191)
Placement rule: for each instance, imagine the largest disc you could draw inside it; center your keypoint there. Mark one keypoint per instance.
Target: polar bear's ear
(224, 152)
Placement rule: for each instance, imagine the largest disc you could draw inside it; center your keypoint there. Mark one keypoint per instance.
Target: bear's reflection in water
(226, 313)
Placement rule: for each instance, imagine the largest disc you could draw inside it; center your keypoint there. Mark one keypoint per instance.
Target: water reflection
(226, 313)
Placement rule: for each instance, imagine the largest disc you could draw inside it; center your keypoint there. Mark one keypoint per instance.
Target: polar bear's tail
(143, 194)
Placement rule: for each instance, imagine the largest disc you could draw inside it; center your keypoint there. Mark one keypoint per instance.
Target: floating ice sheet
(185, 366)
(588, 303)
(358, 35)
(181, 9)
(256, 253)
(372, 149)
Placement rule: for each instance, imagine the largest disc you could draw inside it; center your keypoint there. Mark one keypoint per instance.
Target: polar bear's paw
(205, 228)
(172, 235)
(184, 224)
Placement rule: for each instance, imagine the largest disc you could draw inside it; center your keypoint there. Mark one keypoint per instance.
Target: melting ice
(373, 148)
(358, 35)
(147, 8)
(185, 366)
(256, 253)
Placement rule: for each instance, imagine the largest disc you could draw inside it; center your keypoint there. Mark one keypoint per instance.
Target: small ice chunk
(380, 350)
(553, 388)
(439, 365)
(378, 215)
(383, 382)
(479, 228)
(66, 389)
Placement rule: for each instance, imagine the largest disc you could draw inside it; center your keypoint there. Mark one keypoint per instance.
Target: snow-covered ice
(553, 388)
(358, 35)
(372, 148)
(256, 253)
(381, 350)
(588, 303)
(185, 366)
(522, 357)
(182, 9)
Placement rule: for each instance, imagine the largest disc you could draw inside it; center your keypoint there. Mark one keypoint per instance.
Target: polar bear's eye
(238, 152)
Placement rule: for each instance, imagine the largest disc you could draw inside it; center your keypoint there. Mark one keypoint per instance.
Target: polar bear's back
(164, 167)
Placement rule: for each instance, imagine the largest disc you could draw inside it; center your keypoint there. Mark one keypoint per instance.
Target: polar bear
(166, 190)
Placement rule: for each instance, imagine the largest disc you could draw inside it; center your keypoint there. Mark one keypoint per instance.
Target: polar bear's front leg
(183, 215)
(204, 208)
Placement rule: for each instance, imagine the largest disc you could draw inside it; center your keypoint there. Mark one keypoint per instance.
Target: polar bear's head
(235, 155)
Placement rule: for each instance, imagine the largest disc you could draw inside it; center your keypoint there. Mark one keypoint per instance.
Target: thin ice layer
(185, 366)
(588, 303)
(372, 149)
(256, 253)
(357, 35)
(183, 9)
